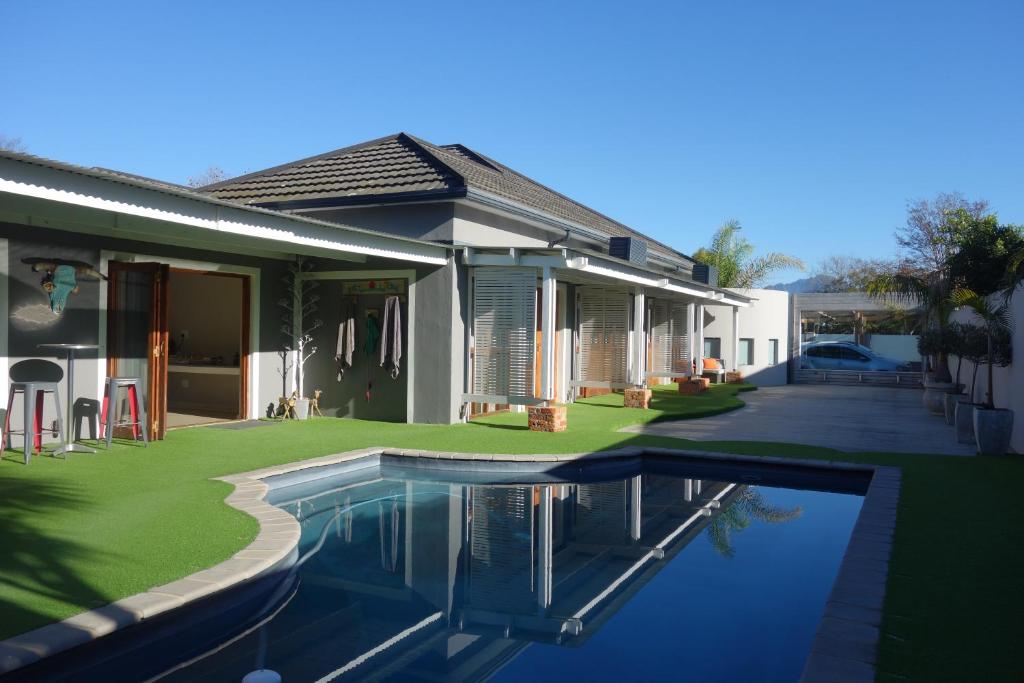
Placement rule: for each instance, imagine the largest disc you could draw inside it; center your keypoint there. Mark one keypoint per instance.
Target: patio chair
(714, 370)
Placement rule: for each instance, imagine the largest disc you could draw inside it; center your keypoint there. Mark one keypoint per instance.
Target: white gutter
(51, 182)
(583, 265)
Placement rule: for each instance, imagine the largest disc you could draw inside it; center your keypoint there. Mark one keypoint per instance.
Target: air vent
(629, 249)
(702, 272)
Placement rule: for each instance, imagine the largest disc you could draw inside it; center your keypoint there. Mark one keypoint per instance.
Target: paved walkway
(846, 418)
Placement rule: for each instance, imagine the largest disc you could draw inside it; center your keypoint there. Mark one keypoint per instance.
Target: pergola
(621, 311)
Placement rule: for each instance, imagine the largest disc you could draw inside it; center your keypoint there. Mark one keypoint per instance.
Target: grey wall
(428, 221)
(347, 398)
(439, 344)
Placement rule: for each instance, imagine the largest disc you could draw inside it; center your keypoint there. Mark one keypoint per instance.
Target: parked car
(838, 355)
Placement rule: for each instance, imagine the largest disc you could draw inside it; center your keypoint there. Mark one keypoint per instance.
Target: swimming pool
(642, 570)
(637, 563)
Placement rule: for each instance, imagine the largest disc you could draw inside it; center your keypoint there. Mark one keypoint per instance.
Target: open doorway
(207, 323)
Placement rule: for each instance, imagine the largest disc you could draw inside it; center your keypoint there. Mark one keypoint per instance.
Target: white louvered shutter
(604, 334)
(504, 319)
(669, 339)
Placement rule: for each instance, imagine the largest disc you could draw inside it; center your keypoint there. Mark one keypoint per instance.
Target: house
(510, 293)
(550, 299)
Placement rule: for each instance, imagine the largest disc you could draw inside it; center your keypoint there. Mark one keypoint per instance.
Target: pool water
(646, 573)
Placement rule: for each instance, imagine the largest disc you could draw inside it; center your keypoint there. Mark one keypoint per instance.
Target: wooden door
(137, 333)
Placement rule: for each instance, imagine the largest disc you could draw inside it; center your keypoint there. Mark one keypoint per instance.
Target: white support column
(639, 360)
(735, 338)
(544, 549)
(548, 293)
(691, 338)
(698, 337)
(635, 518)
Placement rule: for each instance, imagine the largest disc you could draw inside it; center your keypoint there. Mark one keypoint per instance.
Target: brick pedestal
(694, 386)
(733, 377)
(637, 398)
(547, 419)
(591, 392)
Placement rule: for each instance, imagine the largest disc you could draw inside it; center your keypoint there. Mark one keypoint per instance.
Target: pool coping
(844, 647)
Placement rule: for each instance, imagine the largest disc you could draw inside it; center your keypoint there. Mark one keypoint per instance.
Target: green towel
(64, 283)
(372, 335)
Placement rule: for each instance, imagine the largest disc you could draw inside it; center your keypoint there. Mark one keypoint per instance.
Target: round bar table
(69, 445)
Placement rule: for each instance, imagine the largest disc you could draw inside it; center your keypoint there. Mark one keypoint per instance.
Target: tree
(849, 273)
(12, 144)
(748, 505)
(997, 324)
(733, 257)
(929, 237)
(212, 174)
(985, 252)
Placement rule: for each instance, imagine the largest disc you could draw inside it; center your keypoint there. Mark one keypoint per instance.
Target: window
(773, 352)
(712, 347)
(746, 352)
(853, 355)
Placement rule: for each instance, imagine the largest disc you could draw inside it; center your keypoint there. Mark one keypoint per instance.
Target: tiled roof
(401, 166)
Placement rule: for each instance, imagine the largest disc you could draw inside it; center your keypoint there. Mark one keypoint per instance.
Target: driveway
(846, 418)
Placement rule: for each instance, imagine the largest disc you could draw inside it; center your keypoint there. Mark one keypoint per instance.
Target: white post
(639, 342)
(735, 338)
(548, 293)
(698, 326)
(635, 519)
(544, 549)
(691, 338)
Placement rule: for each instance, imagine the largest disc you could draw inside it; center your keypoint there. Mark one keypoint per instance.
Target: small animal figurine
(314, 404)
(286, 407)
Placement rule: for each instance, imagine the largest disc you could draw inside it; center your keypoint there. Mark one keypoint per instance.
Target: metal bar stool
(34, 394)
(136, 411)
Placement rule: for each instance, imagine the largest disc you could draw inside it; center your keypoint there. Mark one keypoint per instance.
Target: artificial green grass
(81, 533)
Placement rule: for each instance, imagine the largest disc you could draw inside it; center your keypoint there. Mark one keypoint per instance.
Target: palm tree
(733, 257)
(748, 505)
(997, 325)
(930, 291)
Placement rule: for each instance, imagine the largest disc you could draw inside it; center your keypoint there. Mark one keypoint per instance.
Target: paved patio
(846, 418)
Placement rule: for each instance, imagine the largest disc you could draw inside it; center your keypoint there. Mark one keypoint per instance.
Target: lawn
(81, 533)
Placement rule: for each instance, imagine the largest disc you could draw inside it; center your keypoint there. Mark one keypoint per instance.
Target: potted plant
(297, 323)
(960, 336)
(974, 350)
(936, 344)
(993, 426)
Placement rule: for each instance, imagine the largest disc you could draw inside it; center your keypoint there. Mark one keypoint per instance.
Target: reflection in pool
(648, 574)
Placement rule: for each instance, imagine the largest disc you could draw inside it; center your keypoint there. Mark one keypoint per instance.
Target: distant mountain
(815, 283)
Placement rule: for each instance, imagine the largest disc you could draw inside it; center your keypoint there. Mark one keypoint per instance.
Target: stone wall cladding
(637, 398)
(548, 419)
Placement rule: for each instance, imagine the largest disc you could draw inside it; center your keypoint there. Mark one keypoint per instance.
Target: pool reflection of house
(448, 581)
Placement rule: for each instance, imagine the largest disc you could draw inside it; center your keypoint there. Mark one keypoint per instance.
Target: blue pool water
(648, 573)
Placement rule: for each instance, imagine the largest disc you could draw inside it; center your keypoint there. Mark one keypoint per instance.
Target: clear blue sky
(811, 122)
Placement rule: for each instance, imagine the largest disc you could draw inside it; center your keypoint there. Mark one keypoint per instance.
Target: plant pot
(950, 401)
(934, 393)
(993, 428)
(302, 408)
(964, 420)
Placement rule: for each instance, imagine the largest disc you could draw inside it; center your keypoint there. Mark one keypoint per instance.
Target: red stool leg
(103, 413)
(37, 427)
(133, 410)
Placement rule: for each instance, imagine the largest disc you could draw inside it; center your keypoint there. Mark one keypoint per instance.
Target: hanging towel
(63, 284)
(391, 339)
(346, 340)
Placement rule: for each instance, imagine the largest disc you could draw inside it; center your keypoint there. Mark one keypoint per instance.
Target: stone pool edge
(844, 647)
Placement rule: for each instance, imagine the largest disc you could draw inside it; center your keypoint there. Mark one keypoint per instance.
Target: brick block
(547, 419)
(591, 392)
(733, 377)
(637, 398)
(692, 387)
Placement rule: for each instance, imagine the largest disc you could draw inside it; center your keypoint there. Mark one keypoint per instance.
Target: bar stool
(136, 413)
(34, 394)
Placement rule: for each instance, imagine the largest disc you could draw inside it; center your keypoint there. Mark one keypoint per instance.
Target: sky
(812, 123)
